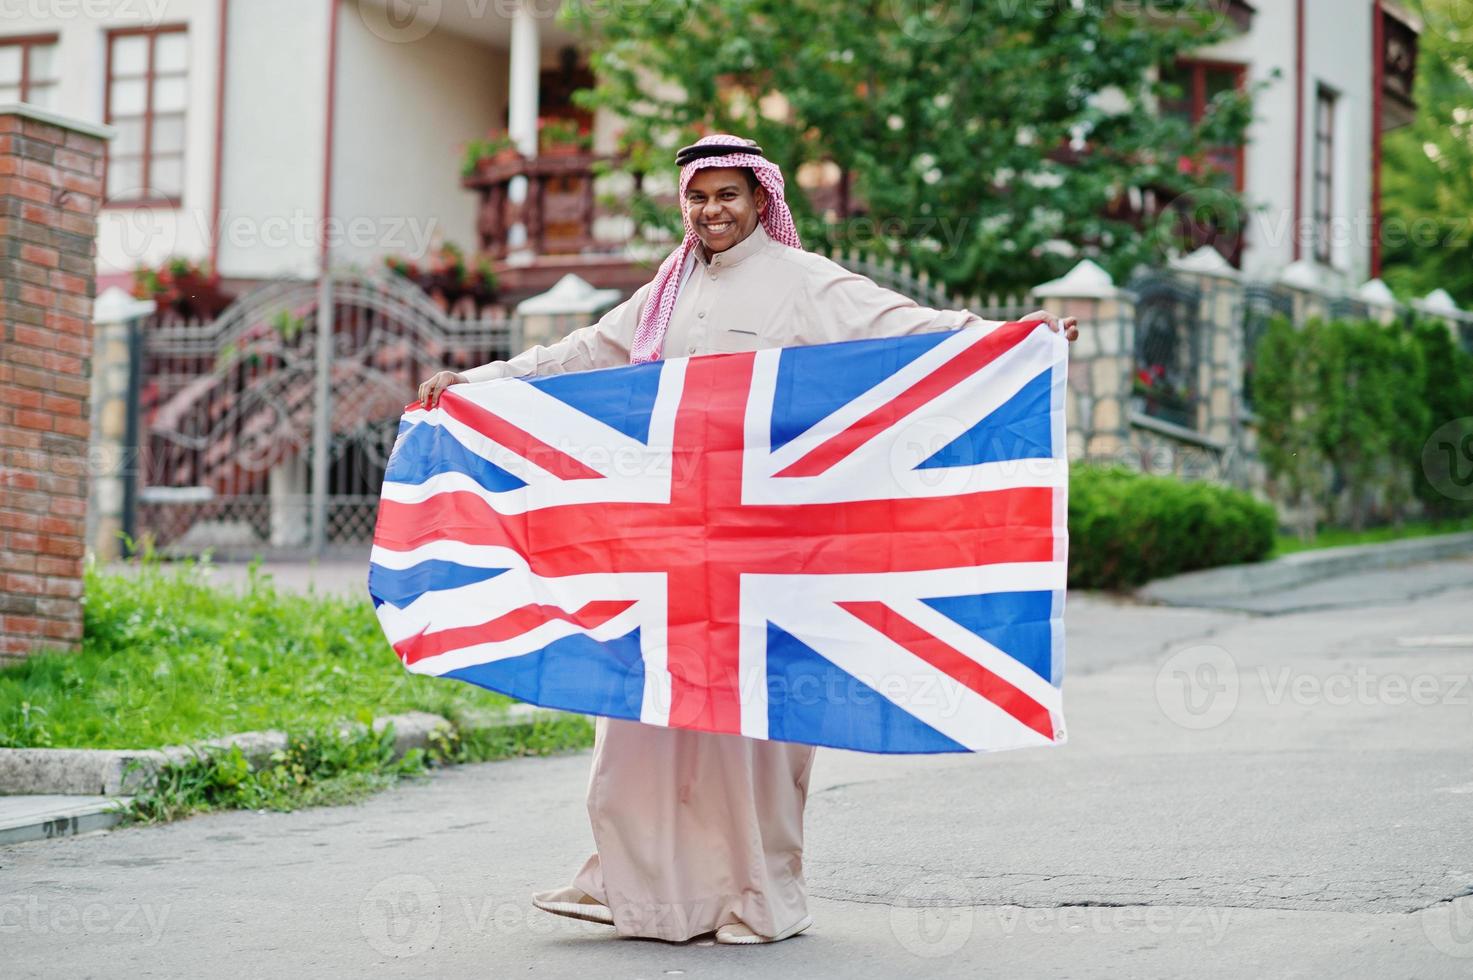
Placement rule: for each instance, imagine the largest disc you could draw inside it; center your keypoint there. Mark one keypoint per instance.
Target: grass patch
(1288, 544)
(319, 767)
(167, 659)
(327, 767)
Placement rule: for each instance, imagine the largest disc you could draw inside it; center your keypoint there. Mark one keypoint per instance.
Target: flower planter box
(557, 212)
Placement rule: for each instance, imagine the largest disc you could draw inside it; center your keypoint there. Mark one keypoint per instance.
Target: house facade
(1331, 77)
(270, 137)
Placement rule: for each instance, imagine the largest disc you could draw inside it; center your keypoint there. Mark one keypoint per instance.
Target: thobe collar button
(749, 246)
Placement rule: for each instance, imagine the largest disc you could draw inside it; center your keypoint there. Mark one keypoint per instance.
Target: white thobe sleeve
(844, 305)
(598, 345)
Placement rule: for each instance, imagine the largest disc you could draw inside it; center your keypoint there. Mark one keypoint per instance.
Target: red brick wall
(50, 190)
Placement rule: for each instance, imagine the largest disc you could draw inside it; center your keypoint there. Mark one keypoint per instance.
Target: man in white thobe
(697, 832)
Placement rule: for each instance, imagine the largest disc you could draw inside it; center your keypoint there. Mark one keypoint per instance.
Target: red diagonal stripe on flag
(514, 623)
(839, 445)
(948, 659)
(519, 441)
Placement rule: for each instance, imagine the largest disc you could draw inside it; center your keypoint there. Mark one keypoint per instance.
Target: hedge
(1126, 528)
(1345, 409)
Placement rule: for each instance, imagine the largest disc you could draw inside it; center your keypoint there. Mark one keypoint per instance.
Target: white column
(526, 62)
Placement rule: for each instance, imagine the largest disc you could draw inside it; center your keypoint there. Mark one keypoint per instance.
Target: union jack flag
(859, 545)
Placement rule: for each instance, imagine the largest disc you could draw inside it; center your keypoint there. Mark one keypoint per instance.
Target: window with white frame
(147, 94)
(28, 70)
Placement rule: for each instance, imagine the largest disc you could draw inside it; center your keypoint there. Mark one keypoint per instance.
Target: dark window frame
(1322, 177)
(1197, 96)
(26, 42)
(149, 76)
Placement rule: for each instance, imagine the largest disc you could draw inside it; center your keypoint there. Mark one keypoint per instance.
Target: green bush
(1448, 395)
(1126, 528)
(317, 767)
(1344, 408)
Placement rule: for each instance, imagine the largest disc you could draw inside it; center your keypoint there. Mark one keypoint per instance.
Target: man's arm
(845, 305)
(598, 345)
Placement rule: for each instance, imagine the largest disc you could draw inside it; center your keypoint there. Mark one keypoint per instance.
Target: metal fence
(918, 286)
(1168, 349)
(1261, 303)
(236, 413)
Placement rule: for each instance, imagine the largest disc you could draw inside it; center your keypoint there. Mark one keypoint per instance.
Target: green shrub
(1126, 528)
(1344, 409)
(317, 767)
(1448, 396)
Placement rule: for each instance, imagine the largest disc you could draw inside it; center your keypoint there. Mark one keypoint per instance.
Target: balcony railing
(557, 211)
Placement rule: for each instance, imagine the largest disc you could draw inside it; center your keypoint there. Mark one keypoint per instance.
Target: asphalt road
(1285, 795)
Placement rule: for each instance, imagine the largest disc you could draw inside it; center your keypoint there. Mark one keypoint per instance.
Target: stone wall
(1215, 309)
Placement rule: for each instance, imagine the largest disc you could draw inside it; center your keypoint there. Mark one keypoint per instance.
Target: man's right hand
(429, 392)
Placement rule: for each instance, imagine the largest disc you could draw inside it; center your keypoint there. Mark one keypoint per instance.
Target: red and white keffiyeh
(649, 337)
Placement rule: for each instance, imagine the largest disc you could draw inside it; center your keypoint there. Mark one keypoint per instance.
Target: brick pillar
(50, 190)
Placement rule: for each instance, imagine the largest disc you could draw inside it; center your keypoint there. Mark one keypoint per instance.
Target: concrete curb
(28, 818)
(104, 772)
(1221, 586)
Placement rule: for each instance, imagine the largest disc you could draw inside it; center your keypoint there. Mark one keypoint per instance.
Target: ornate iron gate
(1168, 349)
(237, 413)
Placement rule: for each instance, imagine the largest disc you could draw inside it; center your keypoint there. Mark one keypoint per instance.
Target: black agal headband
(700, 151)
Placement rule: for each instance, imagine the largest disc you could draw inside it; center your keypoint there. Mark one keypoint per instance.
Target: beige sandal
(574, 904)
(738, 934)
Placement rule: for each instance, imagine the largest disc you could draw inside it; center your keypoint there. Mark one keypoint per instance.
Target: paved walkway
(1242, 796)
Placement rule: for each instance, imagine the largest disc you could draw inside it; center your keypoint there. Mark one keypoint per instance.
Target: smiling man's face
(722, 206)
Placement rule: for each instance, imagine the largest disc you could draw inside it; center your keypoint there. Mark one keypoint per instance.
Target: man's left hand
(1069, 325)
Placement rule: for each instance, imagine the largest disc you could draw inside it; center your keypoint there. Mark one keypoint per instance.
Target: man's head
(723, 205)
(727, 186)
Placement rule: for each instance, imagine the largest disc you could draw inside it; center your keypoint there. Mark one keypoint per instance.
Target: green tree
(1428, 166)
(977, 134)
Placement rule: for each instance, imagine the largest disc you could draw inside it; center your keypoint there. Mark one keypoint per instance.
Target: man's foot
(574, 904)
(738, 934)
